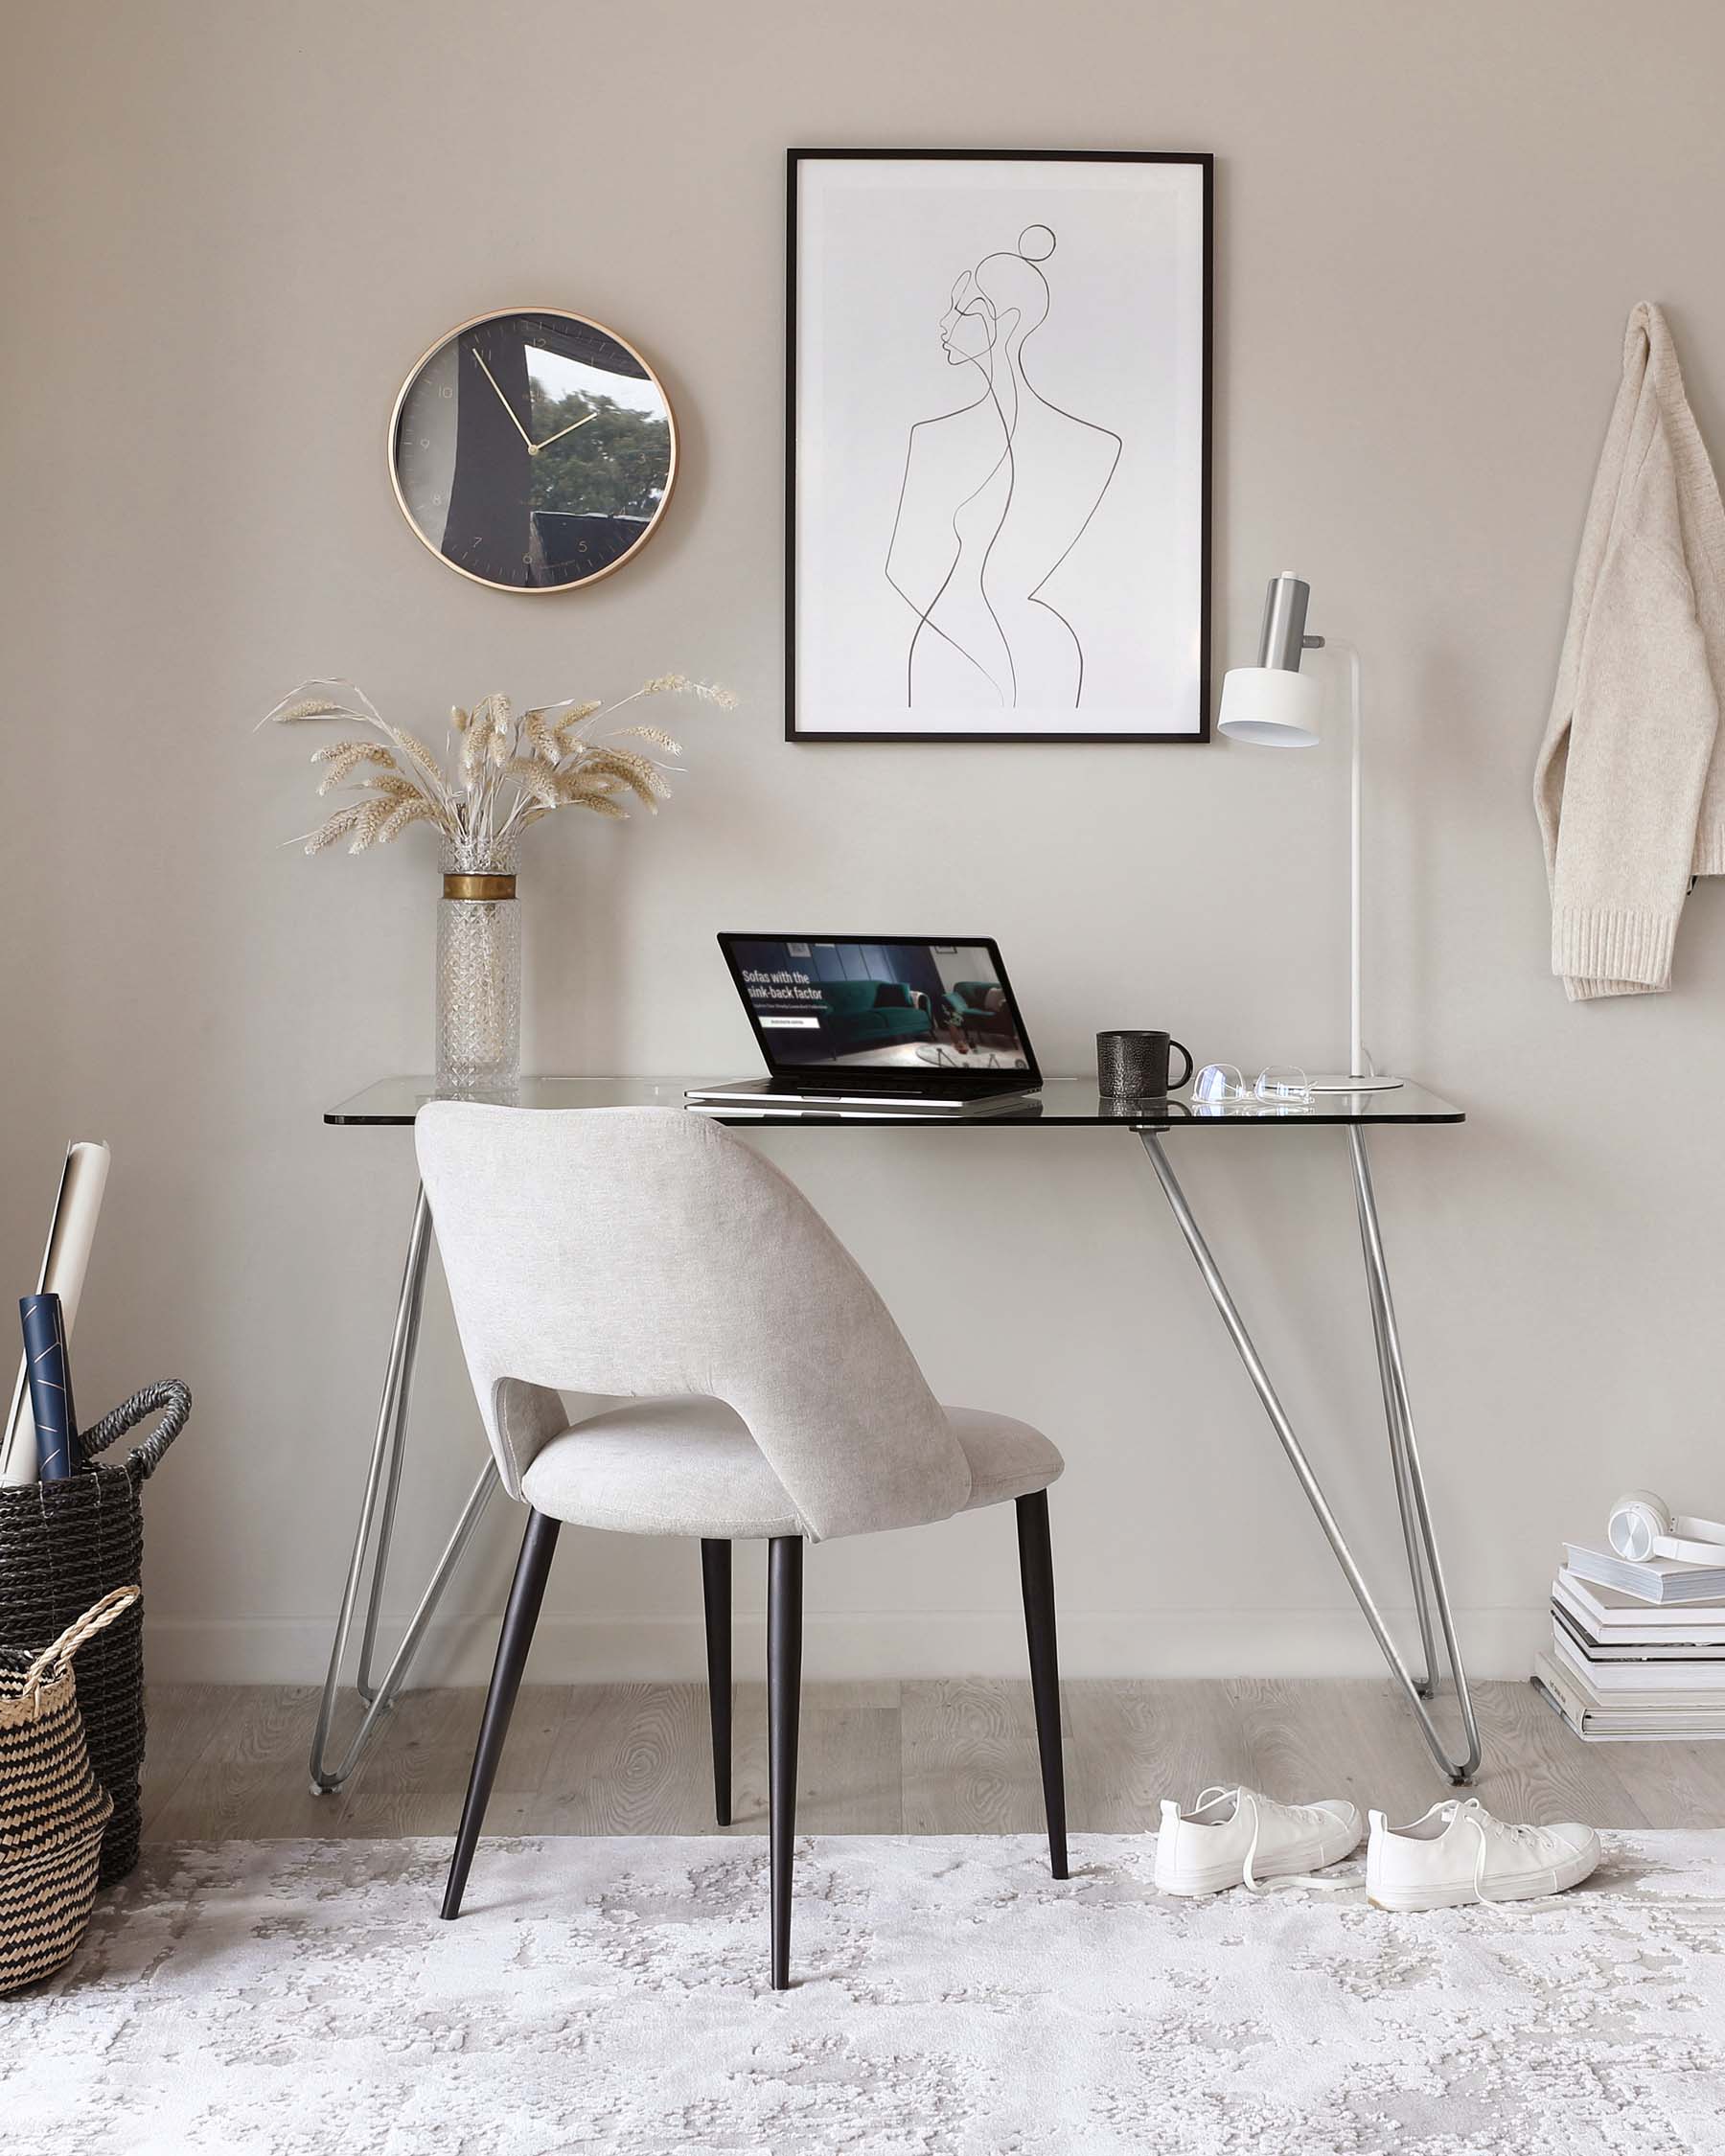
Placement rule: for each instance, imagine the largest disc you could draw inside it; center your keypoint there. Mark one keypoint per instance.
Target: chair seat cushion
(690, 1467)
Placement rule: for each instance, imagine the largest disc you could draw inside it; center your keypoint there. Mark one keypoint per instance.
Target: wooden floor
(886, 1758)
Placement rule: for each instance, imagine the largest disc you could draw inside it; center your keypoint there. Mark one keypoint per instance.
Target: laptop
(923, 1025)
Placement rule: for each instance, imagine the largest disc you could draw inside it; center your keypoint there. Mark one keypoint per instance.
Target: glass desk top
(1062, 1104)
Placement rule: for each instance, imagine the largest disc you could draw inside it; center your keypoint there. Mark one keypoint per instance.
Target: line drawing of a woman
(995, 496)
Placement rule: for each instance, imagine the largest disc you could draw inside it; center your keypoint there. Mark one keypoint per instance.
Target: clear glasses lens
(1283, 1082)
(1218, 1082)
(1220, 1085)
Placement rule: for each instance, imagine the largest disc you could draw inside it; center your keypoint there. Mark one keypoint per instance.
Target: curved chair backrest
(646, 1252)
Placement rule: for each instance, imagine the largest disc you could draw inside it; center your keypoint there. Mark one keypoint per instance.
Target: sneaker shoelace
(1248, 1877)
(1524, 1837)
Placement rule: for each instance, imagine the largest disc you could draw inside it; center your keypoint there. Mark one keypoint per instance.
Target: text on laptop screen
(904, 1006)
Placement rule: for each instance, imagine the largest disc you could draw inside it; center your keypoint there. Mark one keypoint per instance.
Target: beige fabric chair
(647, 1255)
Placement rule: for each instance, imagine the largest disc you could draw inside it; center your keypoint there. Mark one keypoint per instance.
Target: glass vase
(478, 977)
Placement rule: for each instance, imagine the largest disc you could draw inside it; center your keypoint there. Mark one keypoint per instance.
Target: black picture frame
(1205, 163)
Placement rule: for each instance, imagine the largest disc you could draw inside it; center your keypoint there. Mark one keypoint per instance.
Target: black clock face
(533, 451)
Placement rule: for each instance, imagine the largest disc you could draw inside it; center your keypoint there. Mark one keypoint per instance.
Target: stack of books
(1638, 1650)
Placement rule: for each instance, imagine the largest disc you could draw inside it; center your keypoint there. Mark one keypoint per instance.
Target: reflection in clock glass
(534, 450)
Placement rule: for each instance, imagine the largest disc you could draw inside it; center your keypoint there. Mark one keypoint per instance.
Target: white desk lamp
(1274, 705)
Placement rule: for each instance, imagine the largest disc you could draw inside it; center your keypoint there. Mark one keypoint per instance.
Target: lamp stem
(1358, 1077)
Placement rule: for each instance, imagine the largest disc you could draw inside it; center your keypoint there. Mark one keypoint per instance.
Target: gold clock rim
(488, 584)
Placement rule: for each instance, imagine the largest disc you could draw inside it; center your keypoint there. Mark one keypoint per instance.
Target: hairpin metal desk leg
(398, 1391)
(1400, 1425)
(1405, 1447)
(1398, 1464)
(384, 1475)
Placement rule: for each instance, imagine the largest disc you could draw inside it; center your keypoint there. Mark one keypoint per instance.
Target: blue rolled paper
(50, 1387)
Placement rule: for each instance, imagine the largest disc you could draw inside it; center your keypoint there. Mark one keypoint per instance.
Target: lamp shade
(1270, 708)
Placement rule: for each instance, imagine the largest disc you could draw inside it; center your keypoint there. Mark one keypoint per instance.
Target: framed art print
(997, 422)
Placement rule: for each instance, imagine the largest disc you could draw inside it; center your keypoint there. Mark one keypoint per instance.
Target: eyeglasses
(1220, 1085)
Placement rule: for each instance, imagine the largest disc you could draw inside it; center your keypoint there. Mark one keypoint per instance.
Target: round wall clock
(533, 450)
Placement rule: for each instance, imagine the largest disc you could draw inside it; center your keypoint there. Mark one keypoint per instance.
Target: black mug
(1135, 1066)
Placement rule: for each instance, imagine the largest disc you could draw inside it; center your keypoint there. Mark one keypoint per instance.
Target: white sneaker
(1459, 1852)
(1239, 1838)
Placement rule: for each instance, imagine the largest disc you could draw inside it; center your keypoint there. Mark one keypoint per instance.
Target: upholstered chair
(645, 1255)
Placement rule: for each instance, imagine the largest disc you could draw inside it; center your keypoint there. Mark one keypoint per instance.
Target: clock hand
(504, 401)
(561, 432)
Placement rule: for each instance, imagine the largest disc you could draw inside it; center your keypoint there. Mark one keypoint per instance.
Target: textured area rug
(301, 1999)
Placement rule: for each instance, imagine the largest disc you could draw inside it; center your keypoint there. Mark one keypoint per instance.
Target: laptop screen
(885, 1012)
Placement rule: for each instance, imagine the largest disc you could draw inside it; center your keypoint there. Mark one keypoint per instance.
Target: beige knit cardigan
(1631, 781)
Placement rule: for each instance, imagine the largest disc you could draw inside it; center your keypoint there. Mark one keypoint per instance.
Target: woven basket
(53, 1809)
(63, 1547)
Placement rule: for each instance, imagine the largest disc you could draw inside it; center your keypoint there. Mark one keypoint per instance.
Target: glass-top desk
(1062, 1104)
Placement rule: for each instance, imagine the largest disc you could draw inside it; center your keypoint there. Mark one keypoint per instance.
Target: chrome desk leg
(384, 1475)
(1401, 1437)
(398, 1393)
(1393, 1422)
(1456, 1770)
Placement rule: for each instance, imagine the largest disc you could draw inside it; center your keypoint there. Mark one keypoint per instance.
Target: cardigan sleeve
(1621, 782)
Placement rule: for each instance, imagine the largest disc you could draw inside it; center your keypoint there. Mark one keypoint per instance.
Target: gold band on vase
(479, 886)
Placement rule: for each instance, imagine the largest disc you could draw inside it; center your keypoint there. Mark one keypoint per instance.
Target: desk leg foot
(1404, 1454)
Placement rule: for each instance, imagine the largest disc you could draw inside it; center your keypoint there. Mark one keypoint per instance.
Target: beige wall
(234, 226)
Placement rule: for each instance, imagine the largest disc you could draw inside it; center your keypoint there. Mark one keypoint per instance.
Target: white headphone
(1643, 1526)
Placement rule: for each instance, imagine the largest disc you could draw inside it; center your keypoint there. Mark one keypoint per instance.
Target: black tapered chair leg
(716, 1593)
(533, 1568)
(784, 1700)
(1036, 1574)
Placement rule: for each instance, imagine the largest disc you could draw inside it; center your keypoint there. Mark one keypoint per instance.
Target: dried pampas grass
(401, 813)
(680, 686)
(509, 771)
(333, 828)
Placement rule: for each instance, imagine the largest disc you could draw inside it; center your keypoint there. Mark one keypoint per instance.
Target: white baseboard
(1499, 1642)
